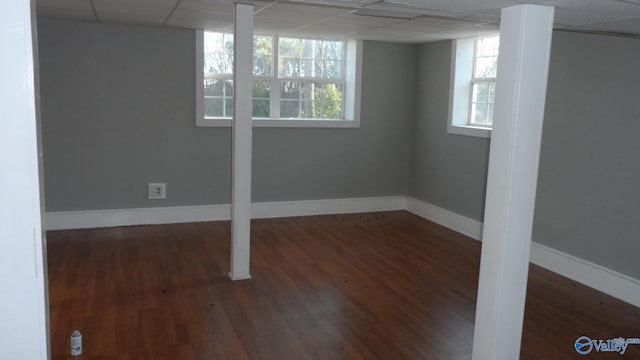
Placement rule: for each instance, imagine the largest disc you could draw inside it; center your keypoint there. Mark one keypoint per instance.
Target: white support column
(24, 306)
(523, 63)
(242, 138)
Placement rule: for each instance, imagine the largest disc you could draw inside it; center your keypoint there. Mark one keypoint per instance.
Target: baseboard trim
(65, 220)
(610, 282)
(464, 225)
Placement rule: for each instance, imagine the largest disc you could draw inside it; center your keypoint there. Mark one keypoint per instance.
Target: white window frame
(460, 90)
(351, 103)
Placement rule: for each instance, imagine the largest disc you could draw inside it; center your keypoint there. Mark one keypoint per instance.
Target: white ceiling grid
(410, 21)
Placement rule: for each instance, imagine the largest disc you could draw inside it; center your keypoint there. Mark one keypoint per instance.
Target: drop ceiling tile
(65, 4)
(119, 17)
(300, 18)
(359, 20)
(152, 3)
(199, 24)
(131, 9)
(429, 25)
(208, 6)
(75, 14)
(202, 16)
(310, 8)
(354, 4)
(631, 26)
(469, 31)
(425, 38)
(389, 34)
(339, 29)
(586, 12)
(276, 26)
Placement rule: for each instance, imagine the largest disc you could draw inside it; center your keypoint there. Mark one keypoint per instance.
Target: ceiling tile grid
(410, 21)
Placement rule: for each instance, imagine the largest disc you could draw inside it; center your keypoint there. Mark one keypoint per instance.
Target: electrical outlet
(157, 191)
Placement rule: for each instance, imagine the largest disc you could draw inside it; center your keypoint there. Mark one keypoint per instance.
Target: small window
(296, 81)
(473, 84)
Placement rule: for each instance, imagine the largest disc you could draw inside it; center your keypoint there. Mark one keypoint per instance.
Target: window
(473, 83)
(296, 82)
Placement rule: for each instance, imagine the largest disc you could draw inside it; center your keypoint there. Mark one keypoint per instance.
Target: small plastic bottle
(76, 343)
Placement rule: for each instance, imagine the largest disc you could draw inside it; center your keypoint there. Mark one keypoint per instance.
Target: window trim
(351, 105)
(460, 80)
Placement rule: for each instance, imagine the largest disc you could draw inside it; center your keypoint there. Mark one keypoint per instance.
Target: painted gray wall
(447, 170)
(587, 200)
(294, 164)
(118, 113)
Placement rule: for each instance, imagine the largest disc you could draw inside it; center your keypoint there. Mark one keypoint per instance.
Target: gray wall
(118, 112)
(447, 170)
(587, 201)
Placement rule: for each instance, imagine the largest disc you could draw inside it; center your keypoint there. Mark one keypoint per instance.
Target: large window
(473, 84)
(296, 81)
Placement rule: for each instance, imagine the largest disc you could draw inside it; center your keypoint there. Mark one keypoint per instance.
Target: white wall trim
(267, 210)
(446, 218)
(64, 220)
(87, 219)
(593, 275)
(610, 282)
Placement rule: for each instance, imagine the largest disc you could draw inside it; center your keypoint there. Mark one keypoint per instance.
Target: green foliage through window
(308, 77)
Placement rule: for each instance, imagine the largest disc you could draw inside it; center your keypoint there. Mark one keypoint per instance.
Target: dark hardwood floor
(368, 286)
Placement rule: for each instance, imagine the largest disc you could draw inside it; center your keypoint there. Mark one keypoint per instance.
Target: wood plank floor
(367, 286)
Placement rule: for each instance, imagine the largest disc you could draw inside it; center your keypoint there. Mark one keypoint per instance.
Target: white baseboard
(446, 218)
(64, 220)
(593, 275)
(267, 210)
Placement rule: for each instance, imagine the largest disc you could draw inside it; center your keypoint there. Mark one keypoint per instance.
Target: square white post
(24, 305)
(242, 138)
(523, 63)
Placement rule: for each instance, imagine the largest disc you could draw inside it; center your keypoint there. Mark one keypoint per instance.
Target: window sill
(469, 131)
(283, 123)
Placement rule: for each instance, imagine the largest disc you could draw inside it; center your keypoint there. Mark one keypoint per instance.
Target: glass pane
(480, 114)
(492, 93)
(218, 53)
(327, 101)
(261, 108)
(289, 67)
(213, 87)
(482, 103)
(310, 58)
(333, 50)
(481, 92)
(490, 114)
(261, 89)
(332, 69)
(262, 55)
(228, 107)
(486, 67)
(289, 108)
(294, 90)
(261, 103)
(288, 47)
(311, 100)
(213, 107)
(486, 61)
(218, 87)
(488, 46)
